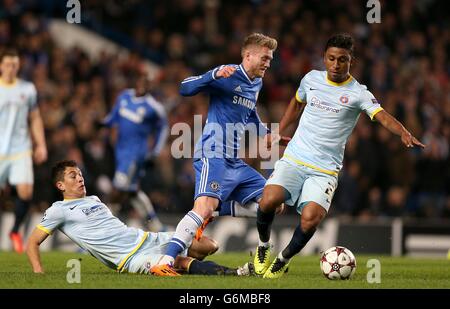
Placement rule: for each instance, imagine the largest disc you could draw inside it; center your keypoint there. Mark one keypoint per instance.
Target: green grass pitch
(304, 272)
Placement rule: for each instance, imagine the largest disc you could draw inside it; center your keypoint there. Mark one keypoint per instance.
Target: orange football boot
(200, 230)
(165, 270)
(17, 242)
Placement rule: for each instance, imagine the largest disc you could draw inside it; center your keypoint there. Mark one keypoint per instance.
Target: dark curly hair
(341, 40)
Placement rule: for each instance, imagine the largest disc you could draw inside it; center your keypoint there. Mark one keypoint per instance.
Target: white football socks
(246, 211)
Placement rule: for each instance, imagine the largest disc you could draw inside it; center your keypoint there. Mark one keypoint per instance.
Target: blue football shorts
(227, 179)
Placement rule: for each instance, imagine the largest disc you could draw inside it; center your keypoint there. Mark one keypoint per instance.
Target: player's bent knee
(310, 221)
(25, 192)
(205, 206)
(182, 262)
(270, 202)
(203, 247)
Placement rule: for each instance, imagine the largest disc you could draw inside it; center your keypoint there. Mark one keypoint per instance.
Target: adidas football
(338, 263)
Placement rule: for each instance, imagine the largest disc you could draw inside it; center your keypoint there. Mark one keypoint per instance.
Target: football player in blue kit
(137, 116)
(222, 179)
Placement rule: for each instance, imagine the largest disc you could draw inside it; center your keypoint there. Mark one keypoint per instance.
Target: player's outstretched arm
(393, 125)
(194, 84)
(36, 238)
(225, 72)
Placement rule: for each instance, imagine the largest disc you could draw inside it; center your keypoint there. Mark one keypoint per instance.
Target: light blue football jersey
(92, 226)
(16, 102)
(331, 112)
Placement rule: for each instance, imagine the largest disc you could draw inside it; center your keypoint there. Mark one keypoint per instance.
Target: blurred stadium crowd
(404, 61)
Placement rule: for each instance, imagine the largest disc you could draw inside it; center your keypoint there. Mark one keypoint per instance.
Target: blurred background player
(90, 223)
(306, 177)
(19, 115)
(140, 131)
(223, 179)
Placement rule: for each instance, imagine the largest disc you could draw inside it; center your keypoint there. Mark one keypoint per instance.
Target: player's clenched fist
(225, 71)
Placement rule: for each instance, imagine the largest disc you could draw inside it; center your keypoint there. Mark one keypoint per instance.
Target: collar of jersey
(3, 84)
(72, 199)
(245, 74)
(345, 82)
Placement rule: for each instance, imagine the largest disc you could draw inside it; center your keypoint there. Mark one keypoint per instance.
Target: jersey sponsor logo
(71, 208)
(344, 99)
(374, 101)
(238, 88)
(141, 111)
(131, 115)
(312, 89)
(91, 210)
(244, 102)
(315, 102)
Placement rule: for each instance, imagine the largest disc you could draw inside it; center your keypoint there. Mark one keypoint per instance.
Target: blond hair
(259, 39)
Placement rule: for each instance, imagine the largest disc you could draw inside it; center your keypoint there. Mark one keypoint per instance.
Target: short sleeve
(32, 100)
(52, 219)
(369, 104)
(300, 95)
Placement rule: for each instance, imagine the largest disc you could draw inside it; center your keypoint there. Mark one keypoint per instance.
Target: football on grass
(338, 263)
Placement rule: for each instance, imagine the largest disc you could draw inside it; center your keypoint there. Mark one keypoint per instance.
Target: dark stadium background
(404, 61)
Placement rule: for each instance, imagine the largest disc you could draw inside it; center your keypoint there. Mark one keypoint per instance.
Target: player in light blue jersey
(137, 116)
(306, 177)
(91, 225)
(222, 179)
(19, 116)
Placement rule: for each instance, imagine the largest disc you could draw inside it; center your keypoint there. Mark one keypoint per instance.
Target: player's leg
(142, 203)
(202, 248)
(247, 195)
(315, 200)
(273, 196)
(241, 188)
(154, 247)
(21, 177)
(196, 267)
(208, 190)
(144, 207)
(229, 208)
(244, 200)
(312, 215)
(126, 184)
(187, 227)
(284, 185)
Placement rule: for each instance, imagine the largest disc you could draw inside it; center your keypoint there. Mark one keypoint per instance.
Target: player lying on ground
(307, 175)
(90, 224)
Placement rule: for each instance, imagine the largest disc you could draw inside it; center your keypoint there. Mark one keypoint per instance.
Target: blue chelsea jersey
(137, 118)
(232, 109)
